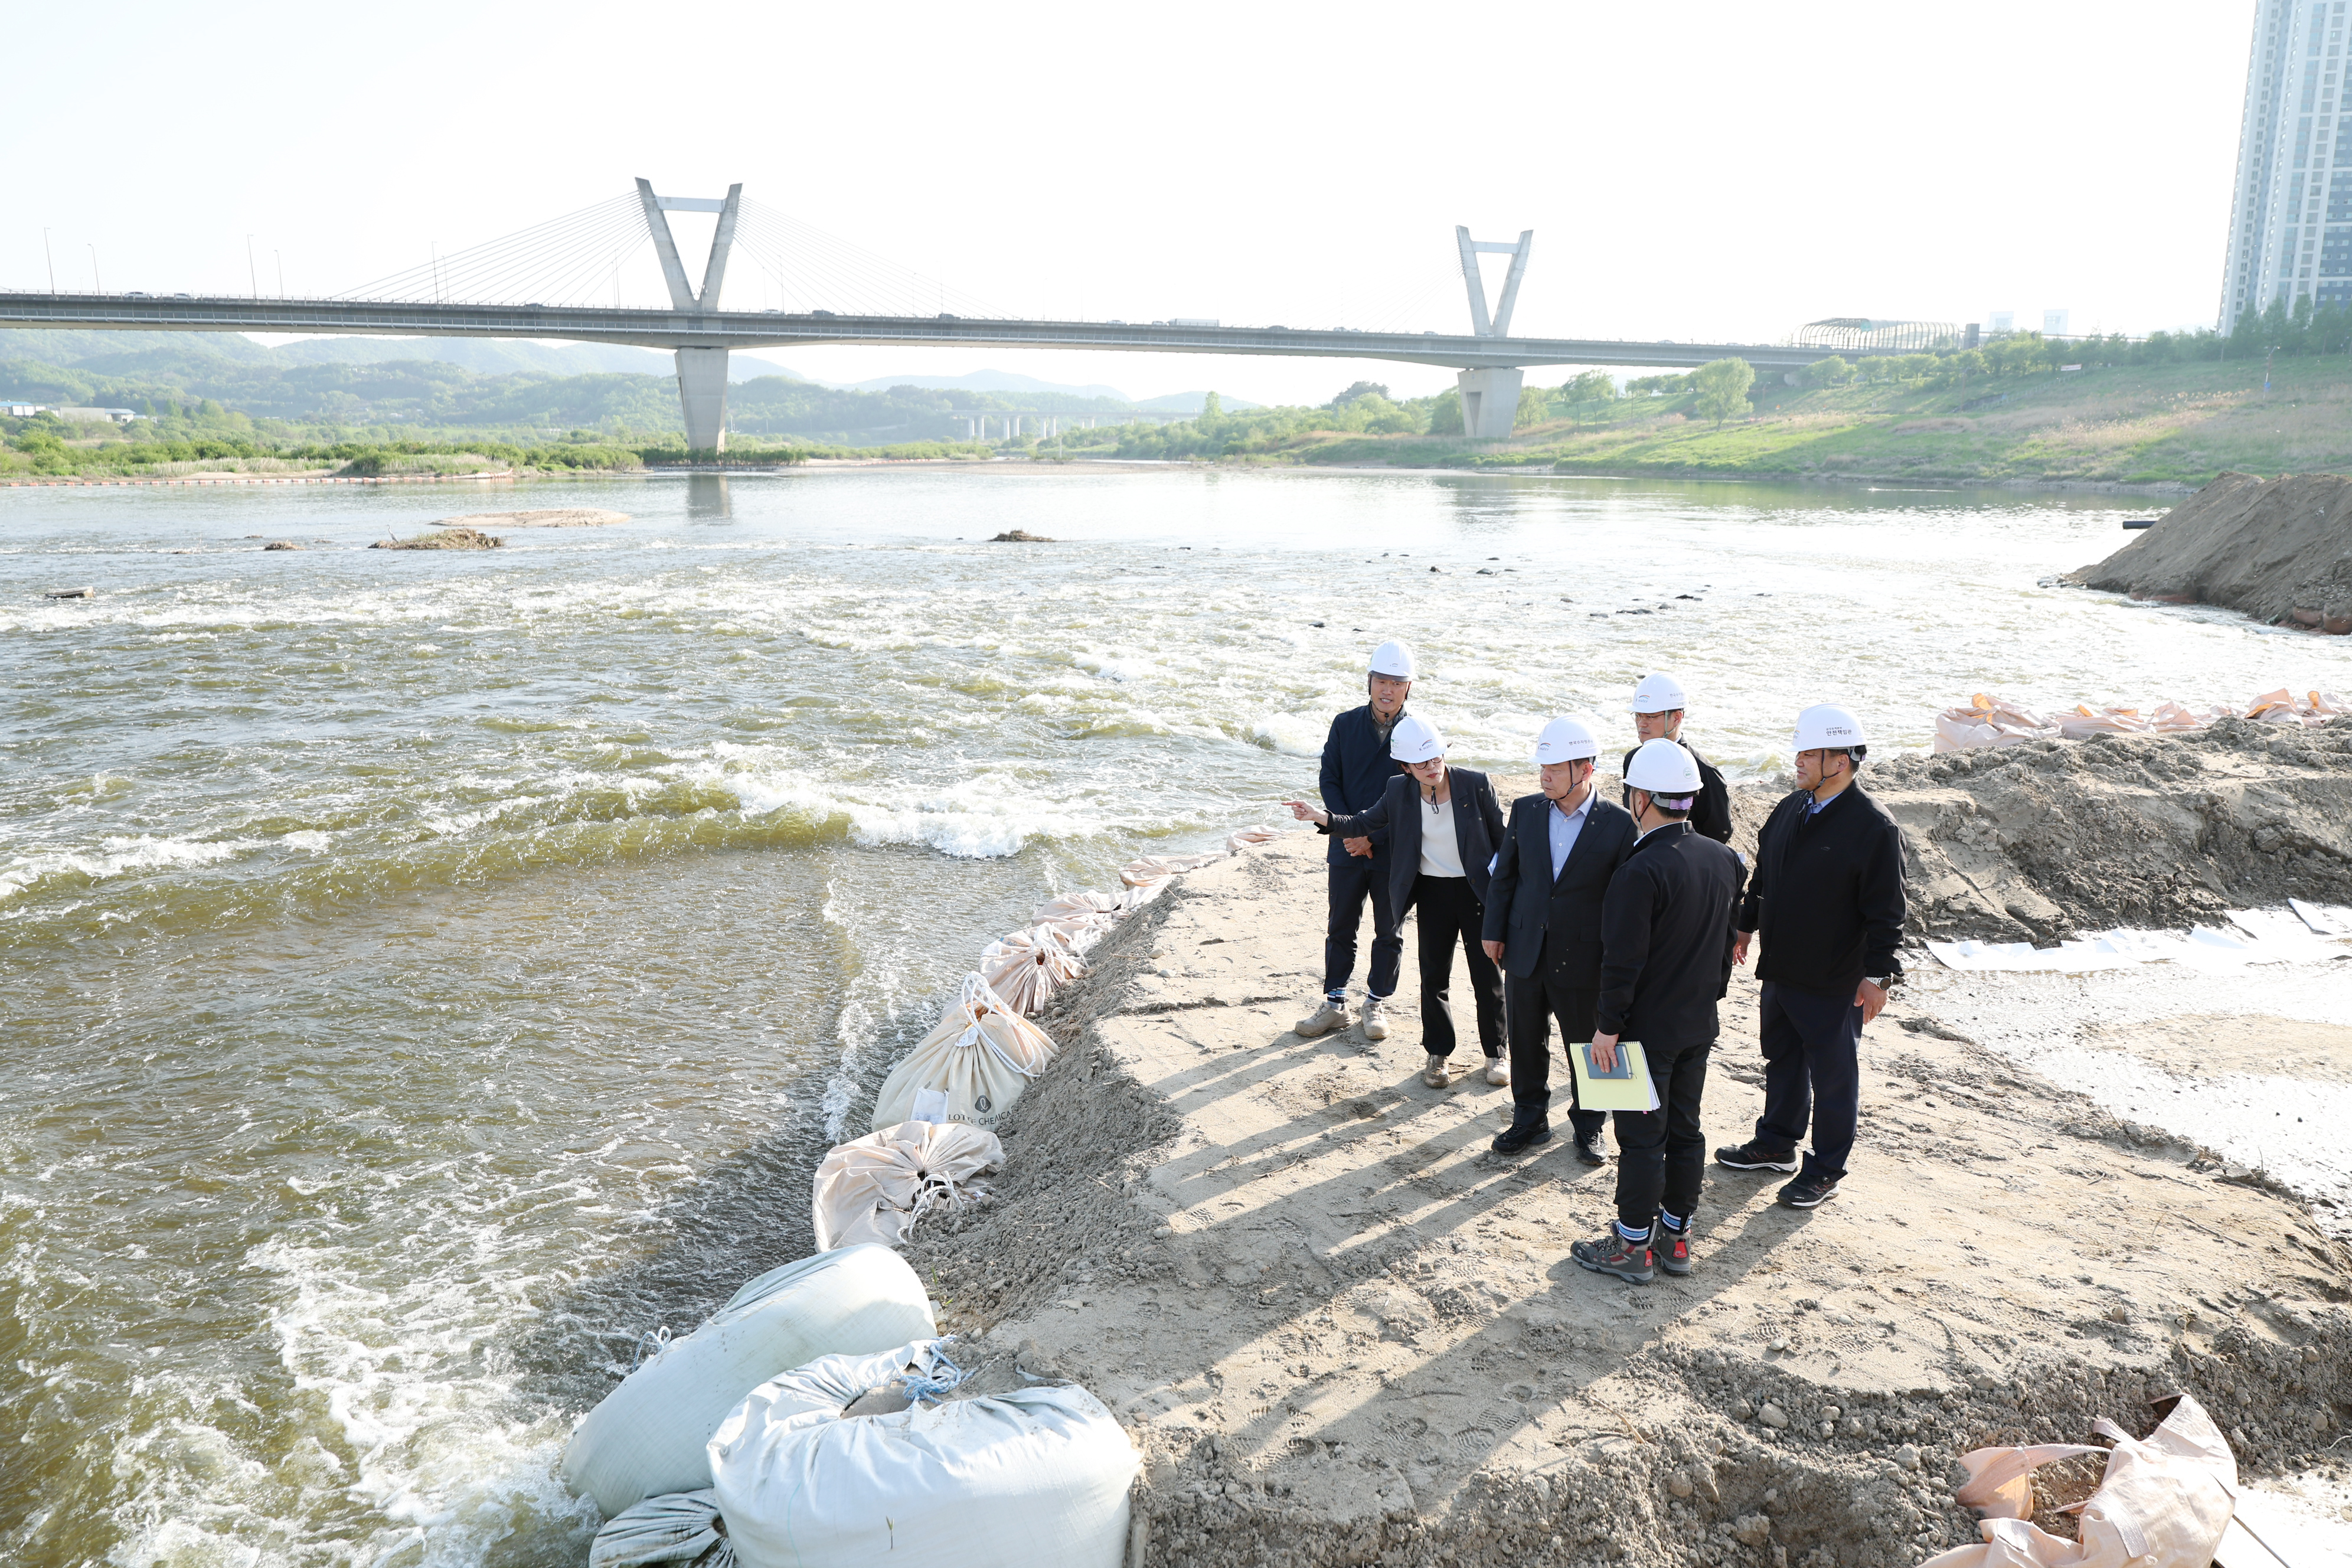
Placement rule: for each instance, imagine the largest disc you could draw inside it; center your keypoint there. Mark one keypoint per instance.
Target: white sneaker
(1376, 1019)
(1323, 1020)
(1438, 1073)
(1499, 1070)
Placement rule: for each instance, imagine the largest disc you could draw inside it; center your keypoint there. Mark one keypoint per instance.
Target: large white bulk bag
(874, 1189)
(1035, 1478)
(1027, 967)
(648, 1436)
(972, 1066)
(676, 1529)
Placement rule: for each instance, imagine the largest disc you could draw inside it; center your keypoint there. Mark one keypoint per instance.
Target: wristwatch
(1881, 981)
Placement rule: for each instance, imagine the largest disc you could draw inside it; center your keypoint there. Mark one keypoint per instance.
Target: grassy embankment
(2168, 424)
(46, 449)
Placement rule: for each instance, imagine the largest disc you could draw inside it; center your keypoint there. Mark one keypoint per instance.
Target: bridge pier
(702, 393)
(1490, 401)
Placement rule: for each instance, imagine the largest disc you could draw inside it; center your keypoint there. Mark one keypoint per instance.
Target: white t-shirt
(1441, 852)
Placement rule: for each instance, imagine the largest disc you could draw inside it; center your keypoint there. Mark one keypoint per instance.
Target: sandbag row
(1993, 720)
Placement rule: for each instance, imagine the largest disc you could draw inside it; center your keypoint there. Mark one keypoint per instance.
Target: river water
(426, 970)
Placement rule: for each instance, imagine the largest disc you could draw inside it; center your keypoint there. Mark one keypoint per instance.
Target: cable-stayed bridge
(552, 282)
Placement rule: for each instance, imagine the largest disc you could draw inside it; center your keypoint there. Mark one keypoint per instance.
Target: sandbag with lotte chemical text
(648, 1435)
(971, 1068)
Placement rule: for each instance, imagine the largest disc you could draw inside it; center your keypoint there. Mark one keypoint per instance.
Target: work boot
(1376, 1020)
(1498, 1072)
(1323, 1020)
(1753, 1156)
(1809, 1192)
(1521, 1135)
(1589, 1150)
(1438, 1073)
(1629, 1260)
(1671, 1247)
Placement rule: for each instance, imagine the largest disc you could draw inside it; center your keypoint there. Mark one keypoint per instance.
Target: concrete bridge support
(1490, 401)
(703, 392)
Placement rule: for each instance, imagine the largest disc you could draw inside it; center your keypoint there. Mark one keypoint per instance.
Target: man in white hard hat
(1357, 768)
(1657, 709)
(1443, 823)
(1665, 961)
(1559, 849)
(1827, 895)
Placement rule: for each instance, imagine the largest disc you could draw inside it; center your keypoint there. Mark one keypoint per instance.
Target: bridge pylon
(701, 370)
(1490, 398)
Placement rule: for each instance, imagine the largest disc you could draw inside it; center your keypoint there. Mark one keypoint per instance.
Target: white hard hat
(1567, 741)
(1394, 659)
(1825, 726)
(1662, 767)
(1416, 740)
(1657, 694)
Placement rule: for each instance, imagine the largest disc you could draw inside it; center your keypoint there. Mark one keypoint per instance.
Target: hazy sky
(1703, 171)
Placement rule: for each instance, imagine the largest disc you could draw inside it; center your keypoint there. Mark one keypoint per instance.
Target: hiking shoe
(1322, 1021)
(1612, 1254)
(1809, 1192)
(1589, 1150)
(1751, 1156)
(1672, 1248)
(1438, 1073)
(1499, 1071)
(1521, 1135)
(1376, 1019)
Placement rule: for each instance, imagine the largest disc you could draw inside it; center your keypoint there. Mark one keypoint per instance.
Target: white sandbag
(648, 1435)
(1034, 1479)
(874, 1189)
(841, 1385)
(676, 1529)
(1242, 838)
(1159, 867)
(978, 1059)
(1025, 968)
(1078, 905)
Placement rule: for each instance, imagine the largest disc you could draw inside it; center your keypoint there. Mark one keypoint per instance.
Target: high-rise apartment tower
(2290, 230)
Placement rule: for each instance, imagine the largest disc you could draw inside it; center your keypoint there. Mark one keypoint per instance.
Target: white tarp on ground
(876, 1187)
(1034, 1479)
(2305, 933)
(648, 1437)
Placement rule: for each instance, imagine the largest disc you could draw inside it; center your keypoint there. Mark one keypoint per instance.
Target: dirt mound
(2052, 837)
(1020, 536)
(546, 517)
(447, 539)
(2280, 550)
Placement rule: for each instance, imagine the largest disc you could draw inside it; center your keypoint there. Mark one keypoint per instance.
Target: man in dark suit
(1657, 709)
(1443, 823)
(1356, 768)
(1666, 941)
(1543, 926)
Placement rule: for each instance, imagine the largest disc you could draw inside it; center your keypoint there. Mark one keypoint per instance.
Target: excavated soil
(1340, 1330)
(2278, 549)
(2047, 839)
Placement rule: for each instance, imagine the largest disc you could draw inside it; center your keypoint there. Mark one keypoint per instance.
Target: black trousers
(1661, 1153)
(1450, 917)
(1353, 880)
(1531, 1004)
(1810, 1044)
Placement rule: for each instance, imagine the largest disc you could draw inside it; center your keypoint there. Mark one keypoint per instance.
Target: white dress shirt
(1566, 825)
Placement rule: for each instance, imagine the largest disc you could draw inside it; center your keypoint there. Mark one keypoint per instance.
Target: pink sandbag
(2164, 1502)
(2087, 721)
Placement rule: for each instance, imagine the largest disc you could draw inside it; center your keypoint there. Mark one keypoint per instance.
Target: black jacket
(1356, 768)
(1711, 813)
(1549, 923)
(1477, 824)
(1666, 935)
(1827, 893)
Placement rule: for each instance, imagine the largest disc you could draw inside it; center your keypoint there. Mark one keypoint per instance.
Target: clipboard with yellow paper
(1627, 1089)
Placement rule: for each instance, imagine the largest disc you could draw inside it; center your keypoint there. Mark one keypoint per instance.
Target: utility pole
(281, 272)
(2266, 368)
(252, 276)
(53, 260)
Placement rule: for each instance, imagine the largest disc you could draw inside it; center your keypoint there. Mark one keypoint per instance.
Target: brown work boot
(1330, 1016)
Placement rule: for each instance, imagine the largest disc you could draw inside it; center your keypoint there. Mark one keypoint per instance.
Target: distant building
(21, 410)
(2285, 201)
(2001, 321)
(2055, 324)
(98, 415)
(1864, 335)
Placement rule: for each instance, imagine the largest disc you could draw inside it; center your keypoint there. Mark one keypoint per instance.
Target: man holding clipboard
(1665, 961)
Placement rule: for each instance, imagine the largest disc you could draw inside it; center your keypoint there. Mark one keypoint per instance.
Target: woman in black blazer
(1443, 823)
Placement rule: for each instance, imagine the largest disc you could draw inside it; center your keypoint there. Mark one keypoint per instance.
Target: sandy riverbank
(1342, 1332)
